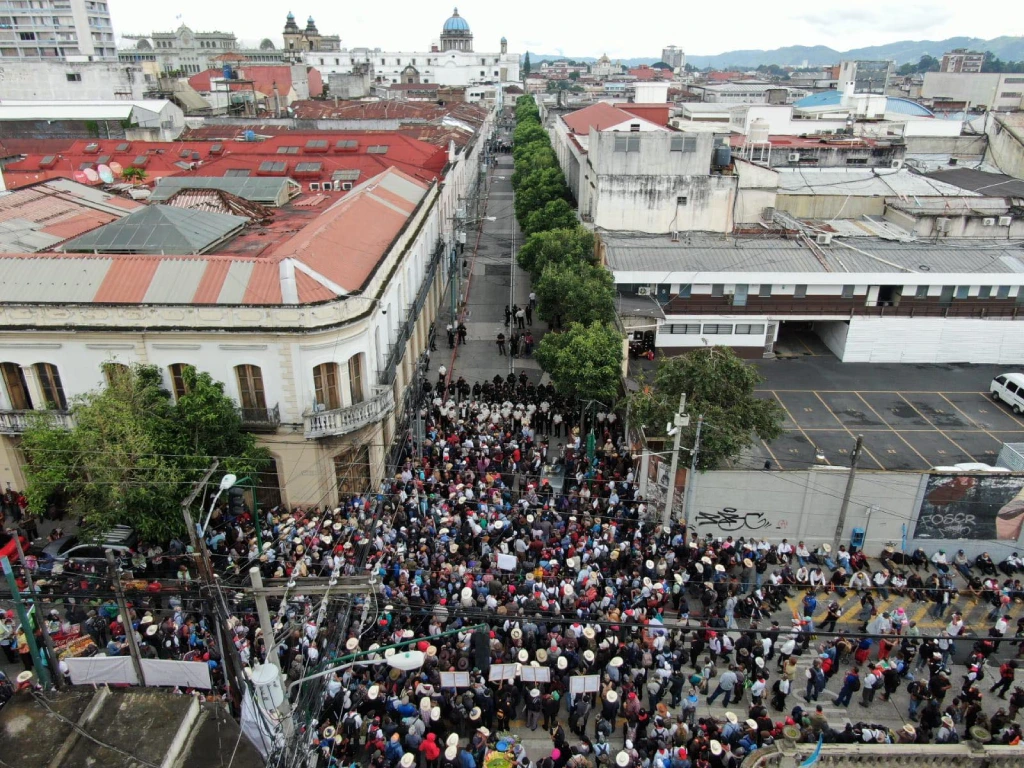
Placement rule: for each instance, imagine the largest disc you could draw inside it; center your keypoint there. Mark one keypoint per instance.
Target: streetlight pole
(47, 640)
(841, 522)
(691, 478)
(679, 420)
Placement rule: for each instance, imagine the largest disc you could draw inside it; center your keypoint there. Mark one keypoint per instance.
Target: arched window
(250, 388)
(178, 387)
(325, 385)
(16, 386)
(53, 390)
(355, 378)
(114, 372)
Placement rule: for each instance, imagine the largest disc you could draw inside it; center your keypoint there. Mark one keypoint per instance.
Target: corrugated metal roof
(45, 279)
(159, 229)
(866, 182)
(268, 191)
(714, 253)
(979, 181)
(75, 110)
(175, 281)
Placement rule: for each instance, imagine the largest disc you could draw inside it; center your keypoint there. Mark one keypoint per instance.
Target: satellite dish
(91, 175)
(105, 174)
(80, 177)
(116, 168)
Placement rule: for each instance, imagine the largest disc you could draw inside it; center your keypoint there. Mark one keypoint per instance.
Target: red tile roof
(603, 115)
(263, 77)
(647, 73)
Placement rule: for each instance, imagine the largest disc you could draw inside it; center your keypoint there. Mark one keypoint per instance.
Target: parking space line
(772, 454)
(841, 424)
(937, 429)
(797, 423)
(970, 420)
(1002, 407)
(891, 427)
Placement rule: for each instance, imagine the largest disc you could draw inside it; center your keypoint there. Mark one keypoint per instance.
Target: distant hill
(902, 52)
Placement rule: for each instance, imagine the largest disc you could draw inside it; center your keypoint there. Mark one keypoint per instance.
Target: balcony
(261, 419)
(342, 421)
(16, 422)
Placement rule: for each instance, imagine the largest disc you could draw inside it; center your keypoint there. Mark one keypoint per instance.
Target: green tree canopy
(572, 245)
(718, 385)
(585, 361)
(537, 189)
(528, 132)
(133, 452)
(575, 292)
(556, 214)
(526, 64)
(533, 157)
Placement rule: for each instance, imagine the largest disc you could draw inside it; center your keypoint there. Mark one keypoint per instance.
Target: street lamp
(226, 482)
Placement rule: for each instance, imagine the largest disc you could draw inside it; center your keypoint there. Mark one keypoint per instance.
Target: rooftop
(159, 230)
(997, 184)
(893, 104)
(42, 216)
(12, 109)
(600, 116)
(862, 182)
(716, 254)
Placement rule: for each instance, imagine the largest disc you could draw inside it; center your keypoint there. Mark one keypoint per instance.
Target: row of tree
(575, 294)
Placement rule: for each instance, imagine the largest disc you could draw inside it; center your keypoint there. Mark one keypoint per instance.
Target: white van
(1009, 387)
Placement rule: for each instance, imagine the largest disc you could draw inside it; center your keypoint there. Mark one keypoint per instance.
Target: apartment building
(71, 30)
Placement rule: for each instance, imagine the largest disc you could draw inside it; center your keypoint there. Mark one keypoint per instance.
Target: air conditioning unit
(643, 290)
(896, 164)
(793, 157)
(823, 238)
(1004, 221)
(943, 225)
(314, 186)
(988, 222)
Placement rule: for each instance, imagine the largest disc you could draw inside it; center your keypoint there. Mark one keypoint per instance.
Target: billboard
(971, 507)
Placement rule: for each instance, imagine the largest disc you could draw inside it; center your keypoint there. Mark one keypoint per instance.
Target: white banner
(102, 669)
(187, 674)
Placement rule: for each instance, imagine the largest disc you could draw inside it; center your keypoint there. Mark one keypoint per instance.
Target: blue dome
(456, 23)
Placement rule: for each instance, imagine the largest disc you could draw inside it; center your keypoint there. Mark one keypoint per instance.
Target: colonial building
(189, 52)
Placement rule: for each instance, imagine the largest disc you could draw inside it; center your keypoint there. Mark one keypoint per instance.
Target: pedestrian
(815, 681)
(501, 344)
(529, 314)
(533, 300)
(851, 684)
(726, 684)
(872, 682)
(521, 318)
(450, 330)
(462, 332)
(1007, 673)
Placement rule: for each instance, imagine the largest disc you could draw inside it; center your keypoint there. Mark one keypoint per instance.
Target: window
(749, 329)
(1010, 95)
(718, 290)
(74, 77)
(352, 472)
(1003, 292)
(683, 328)
(325, 385)
(1013, 80)
(682, 200)
(626, 143)
(634, 127)
(717, 329)
(178, 386)
(985, 292)
(684, 291)
(1012, 388)
(683, 144)
(17, 386)
(355, 378)
(53, 390)
(764, 291)
(799, 291)
(377, 149)
(856, 161)
(114, 372)
(27, 35)
(848, 291)
(250, 389)
(962, 291)
(921, 292)
(287, 150)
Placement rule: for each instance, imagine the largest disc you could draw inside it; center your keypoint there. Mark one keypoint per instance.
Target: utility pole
(42, 672)
(841, 522)
(264, 614)
(679, 420)
(126, 618)
(40, 619)
(691, 478)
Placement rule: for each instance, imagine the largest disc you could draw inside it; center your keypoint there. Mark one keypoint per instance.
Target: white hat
(562, 662)
(475, 713)
(731, 717)
(435, 713)
(720, 568)
(615, 662)
(425, 703)
(752, 724)
(373, 692)
(329, 732)
(589, 633)
(407, 760)
(569, 591)
(647, 581)
(649, 565)
(484, 731)
(611, 697)
(523, 656)
(151, 630)
(24, 677)
(827, 548)
(452, 740)
(588, 656)
(622, 759)
(517, 633)
(542, 655)
(716, 747)
(451, 753)
(352, 643)
(535, 692)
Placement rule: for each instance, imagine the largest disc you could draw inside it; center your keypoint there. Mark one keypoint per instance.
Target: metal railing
(256, 419)
(342, 421)
(16, 422)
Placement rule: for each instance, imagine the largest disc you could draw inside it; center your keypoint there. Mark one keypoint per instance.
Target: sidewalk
(488, 290)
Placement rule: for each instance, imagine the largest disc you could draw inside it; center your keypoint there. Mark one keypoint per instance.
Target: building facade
(188, 52)
(990, 90)
(57, 80)
(674, 57)
(962, 60)
(73, 30)
(451, 61)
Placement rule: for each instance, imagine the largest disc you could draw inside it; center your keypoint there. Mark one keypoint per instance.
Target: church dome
(456, 23)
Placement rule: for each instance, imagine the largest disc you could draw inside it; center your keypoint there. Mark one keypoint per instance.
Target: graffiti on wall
(971, 507)
(729, 519)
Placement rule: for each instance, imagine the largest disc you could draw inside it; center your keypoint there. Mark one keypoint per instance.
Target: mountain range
(902, 52)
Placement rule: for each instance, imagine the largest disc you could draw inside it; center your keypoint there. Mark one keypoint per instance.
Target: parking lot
(912, 417)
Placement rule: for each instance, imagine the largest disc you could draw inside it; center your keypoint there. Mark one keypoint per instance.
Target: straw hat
(611, 697)
(24, 677)
(523, 656)
(484, 731)
(475, 713)
(647, 581)
(562, 662)
(752, 724)
(451, 753)
(731, 717)
(569, 591)
(517, 633)
(622, 759)
(748, 563)
(716, 747)
(615, 662)
(542, 655)
(706, 560)
(909, 729)
(329, 732)
(352, 643)
(827, 548)
(373, 692)
(431, 650)
(407, 760)
(151, 630)
(720, 568)
(589, 633)
(535, 692)
(588, 656)
(452, 740)
(679, 578)
(435, 713)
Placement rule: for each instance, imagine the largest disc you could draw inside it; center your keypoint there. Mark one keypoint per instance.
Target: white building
(748, 93)
(452, 61)
(994, 91)
(148, 119)
(315, 330)
(56, 80)
(68, 30)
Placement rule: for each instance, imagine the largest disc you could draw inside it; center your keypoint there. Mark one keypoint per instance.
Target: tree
(531, 158)
(526, 64)
(134, 175)
(133, 452)
(661, 65)
(556, 214)
(572, 292)
(536, 190)
(585, 361)
(574, 75)
(529, 132)
(574, 245)
(720, 387)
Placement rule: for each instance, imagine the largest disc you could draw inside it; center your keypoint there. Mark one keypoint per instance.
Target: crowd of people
(515, 534)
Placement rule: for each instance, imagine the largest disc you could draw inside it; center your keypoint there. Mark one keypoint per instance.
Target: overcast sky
(589, 29)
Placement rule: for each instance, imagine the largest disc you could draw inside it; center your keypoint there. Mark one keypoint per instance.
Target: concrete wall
(980, 89)
(833, 334)
(1006, 143)
(804, 506)
(933, 340)
(947, 145)
(42, 80)
(830, 206)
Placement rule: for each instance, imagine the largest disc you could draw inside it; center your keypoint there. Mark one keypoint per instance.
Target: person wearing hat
(533, 708)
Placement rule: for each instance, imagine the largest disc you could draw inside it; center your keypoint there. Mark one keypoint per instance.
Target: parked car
(92, 551)
(1009, 388)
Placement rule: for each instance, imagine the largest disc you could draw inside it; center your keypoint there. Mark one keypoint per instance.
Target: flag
(813, 757)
